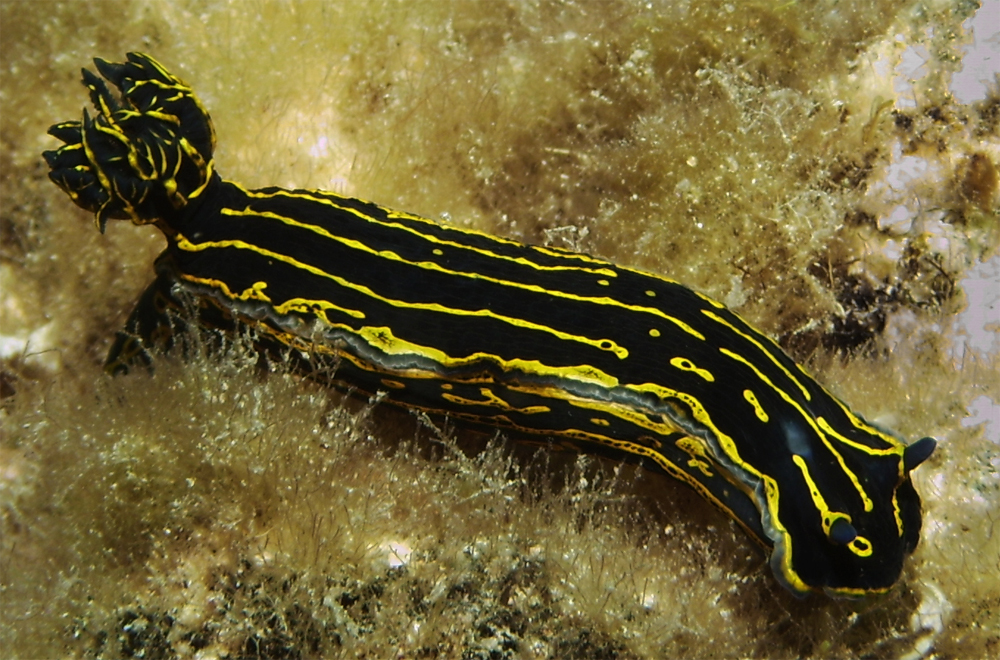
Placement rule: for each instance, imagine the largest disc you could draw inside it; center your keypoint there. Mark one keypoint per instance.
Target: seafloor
(788, 158)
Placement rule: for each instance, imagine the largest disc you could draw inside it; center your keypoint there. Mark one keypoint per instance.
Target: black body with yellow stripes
(532, 339)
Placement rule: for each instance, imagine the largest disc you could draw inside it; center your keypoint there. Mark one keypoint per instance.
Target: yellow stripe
(719, 319)
(620, 351)
(869, 505)
(602, 344)
(322, 197)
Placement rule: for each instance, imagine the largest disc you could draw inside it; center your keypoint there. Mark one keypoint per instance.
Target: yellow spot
(696, 450)
(685, 364)
(654, 333)
(604, 282)
(752, 399)
(701, 465)
(394, 384)
(860, 546)
(438, 252)
(651, 294)
(447, 386)
(599, 421)
(255, 292)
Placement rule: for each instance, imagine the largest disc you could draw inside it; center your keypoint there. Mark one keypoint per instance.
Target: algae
(747, 150)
